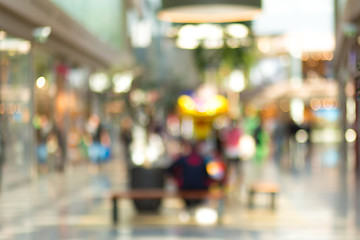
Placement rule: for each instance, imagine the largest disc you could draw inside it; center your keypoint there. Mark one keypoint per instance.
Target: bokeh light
(206, 216)
(350, 135)
(40, 82)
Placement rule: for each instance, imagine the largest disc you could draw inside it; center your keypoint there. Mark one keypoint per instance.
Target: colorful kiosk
(199, 113)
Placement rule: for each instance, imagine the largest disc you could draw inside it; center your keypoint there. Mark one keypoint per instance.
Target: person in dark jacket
(190, 173)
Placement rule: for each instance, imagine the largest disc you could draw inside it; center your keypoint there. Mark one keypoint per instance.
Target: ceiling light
(237, 30)
(186, 43)
(209, 11)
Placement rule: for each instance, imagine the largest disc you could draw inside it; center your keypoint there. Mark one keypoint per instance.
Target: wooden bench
(263, 187)
(162, 193)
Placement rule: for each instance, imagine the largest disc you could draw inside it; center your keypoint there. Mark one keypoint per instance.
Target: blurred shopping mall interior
(252, 105)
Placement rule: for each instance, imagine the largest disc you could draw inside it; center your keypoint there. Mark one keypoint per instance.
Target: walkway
(72, 206)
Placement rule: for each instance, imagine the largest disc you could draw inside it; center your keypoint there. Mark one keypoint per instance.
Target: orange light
(315, 104)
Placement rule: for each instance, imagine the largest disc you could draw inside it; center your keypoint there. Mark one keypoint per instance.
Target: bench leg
(220, 210)
(115, 217)
(251, 198)
(273, 199)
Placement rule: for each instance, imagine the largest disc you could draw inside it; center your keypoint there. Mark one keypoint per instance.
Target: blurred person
(279, 136)
(105, 141)
(262, 143)
(231, 137)
(93, 128)
(219, 143)
(182, 148)
(309, 146)
(308, 127)
(42, 134)
(99, 149)
(292, 129)
(189, 171)
(126, 138)
(62, 148)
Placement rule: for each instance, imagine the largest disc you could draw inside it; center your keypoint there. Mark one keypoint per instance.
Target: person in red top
(231, 138)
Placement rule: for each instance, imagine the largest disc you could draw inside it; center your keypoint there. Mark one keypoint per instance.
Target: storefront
(16, 145)
(347, 72)
(44, 69)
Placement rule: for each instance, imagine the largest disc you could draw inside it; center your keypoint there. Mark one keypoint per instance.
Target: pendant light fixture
(209, 11)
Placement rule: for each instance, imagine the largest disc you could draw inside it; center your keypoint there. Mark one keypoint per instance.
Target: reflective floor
(74, 206)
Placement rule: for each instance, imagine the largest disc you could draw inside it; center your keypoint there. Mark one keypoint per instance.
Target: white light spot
(40, 82)
(350, 135)
(206, 216)
(301, 136)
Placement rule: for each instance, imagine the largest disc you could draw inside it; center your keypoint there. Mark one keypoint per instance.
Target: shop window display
(16, 147)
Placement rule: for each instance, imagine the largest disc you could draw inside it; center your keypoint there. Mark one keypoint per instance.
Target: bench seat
(263, 187)
(162, 193)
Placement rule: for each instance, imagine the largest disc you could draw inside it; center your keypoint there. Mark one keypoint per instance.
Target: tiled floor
(73, 206)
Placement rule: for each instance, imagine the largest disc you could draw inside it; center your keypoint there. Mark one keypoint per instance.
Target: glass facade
(61, 111)
(17, 147)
